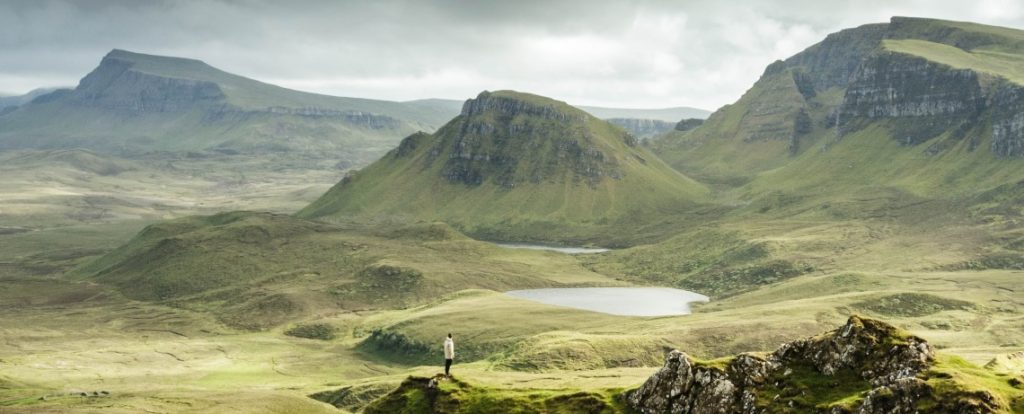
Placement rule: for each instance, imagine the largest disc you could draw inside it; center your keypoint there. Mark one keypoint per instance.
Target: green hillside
(516, 166)
(135, 103)
(822, 108)
(258, 270)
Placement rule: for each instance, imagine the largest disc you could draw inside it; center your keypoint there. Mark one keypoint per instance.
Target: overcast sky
(618, 53)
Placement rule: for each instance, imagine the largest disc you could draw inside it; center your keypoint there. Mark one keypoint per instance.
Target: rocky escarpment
(938, 84)
(134, 104)
(1008, 120)
(831, 62)
(500, 105)
(359, 119)
(927, 99)
(115, 85)
(688, 124)
(863, 367)
(119, 86)
(508, 141)
(893, 85)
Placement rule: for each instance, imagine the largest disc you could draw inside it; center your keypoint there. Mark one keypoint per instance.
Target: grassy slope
(870, 158)
(513, 334)
(993, 62)
(449, 395)
(61, 207)
(259, 270)
(724, 149)
(750, 135)
(54, 125)
(413, 187)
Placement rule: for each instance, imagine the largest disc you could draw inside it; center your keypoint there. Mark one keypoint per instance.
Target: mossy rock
(321, 331)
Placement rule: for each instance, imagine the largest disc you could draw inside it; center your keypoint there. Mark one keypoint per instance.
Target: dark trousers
(447, 365)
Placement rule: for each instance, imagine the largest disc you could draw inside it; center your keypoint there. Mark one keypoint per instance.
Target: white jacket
(449, 348)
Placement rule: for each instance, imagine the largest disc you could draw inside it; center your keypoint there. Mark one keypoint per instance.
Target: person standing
(449, 354)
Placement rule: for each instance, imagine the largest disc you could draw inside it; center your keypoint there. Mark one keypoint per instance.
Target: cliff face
(949, 86)
(928, 99)
(510, 141)
(1008, 121)
(135, 104)
(505, 106)
(115, 86)
(864, 357)
(830, 63)
(932, 97)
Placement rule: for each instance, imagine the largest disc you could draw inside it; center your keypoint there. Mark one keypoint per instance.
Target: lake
(566, 250)
(626, 301)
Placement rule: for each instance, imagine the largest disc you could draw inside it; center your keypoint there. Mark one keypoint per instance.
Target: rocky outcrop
(1008, 121)
(510, 140)
(831, 62)
(114, 85)
(931, 98)
(487, 102)
(927, 99)
(688, 124)
(359, 119)
(867, 357)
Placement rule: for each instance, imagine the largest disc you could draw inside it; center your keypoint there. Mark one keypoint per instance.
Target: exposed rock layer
(884, 361)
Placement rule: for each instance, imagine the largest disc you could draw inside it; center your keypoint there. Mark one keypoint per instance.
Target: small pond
(626, 301)
(566, 250)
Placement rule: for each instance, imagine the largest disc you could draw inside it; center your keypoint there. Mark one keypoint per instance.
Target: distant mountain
(135, 103)
(674, 114)
(928, 107)
(18, 100)
(643, 128)
(514, 166)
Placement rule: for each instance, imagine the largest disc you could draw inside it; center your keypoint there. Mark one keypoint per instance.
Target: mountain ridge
(134, 103)
(511, 155)
(873, 78)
